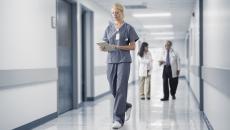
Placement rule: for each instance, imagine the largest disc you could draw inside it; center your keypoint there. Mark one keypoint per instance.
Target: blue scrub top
(125, 35)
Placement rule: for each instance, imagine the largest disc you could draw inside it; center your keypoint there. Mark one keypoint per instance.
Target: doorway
(87, 54)
(66, 40)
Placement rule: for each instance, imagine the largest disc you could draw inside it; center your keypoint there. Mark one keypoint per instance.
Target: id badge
(117, 36)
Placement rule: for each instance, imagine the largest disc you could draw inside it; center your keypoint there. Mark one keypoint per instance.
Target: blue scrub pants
(118, 76)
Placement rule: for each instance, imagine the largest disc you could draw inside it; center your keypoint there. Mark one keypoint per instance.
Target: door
(87, 54)
(65, 54)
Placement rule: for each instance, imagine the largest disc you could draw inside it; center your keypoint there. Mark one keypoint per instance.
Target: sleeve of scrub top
(105, 37)
(133, 37)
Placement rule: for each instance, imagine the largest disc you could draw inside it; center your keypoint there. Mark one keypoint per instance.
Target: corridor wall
(193, 52)
(216, 69)
(28, 70)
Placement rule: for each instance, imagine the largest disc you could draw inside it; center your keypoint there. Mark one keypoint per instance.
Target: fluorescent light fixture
(162, 33)
(139, 15)
(158, 26)
(164, 38)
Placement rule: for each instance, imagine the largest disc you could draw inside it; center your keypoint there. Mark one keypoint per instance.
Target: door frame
(87, 53)
(74, 51)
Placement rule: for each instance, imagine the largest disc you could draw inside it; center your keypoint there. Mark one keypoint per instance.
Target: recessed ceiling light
(162, 33)
(158, 26)
(164, 38)
(141, 15)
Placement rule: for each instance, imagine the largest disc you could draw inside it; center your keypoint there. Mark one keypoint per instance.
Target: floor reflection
(179, 114)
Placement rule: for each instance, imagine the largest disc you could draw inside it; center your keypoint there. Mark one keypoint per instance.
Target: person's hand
(178, 72)
(161, 62)
(115, 46)
(102, 48)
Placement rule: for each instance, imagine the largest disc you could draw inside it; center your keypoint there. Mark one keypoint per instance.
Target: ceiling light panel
(162, 33)
(158, 26)
(148, 15)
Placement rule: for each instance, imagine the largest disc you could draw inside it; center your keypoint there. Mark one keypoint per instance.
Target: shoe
(128, 113)
(164, 99)
(148, 98)
(116, 125)
(173, 97)
(142, 97)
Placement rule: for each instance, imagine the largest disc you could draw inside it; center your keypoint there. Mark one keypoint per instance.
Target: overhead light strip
(164, 38)
(162, 33)
(143, 15)
(158, 26)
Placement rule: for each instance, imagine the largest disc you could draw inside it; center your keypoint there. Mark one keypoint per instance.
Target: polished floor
(179, 114)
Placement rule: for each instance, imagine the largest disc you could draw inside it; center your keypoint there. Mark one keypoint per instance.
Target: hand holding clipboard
(106, 46)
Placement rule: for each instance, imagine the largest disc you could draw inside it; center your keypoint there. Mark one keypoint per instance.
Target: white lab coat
(174, 61)
(145, 62)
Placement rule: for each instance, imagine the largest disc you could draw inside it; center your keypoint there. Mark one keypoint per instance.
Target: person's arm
(102, 48)
(161, 61)
(131, 46)
(105, 38)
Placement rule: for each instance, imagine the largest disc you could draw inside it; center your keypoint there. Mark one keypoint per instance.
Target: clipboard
(106, 46)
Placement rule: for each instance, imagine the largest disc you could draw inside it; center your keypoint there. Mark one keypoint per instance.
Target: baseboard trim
(37, 122)
(98, 97)
(205, 118)
(208, 124)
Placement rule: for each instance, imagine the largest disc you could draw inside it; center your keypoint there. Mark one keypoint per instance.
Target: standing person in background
(145, 69)
(171, 71)
(122, 36)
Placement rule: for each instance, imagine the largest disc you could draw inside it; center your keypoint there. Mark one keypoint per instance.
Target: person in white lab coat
(171, 62)
(145, 69)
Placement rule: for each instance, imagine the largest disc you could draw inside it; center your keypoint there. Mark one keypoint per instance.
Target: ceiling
(181, 12)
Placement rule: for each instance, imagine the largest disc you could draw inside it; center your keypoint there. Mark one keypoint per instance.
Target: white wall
(179, 46)
(24, 104)
(194, 54)
(27, 42)
(216, 56)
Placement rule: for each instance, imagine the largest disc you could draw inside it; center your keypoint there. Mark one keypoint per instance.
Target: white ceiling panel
(180, 10)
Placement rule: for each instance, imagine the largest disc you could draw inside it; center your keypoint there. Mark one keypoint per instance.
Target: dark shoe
(164, 99)
(173, 97)
(143, 97)
(148, 98)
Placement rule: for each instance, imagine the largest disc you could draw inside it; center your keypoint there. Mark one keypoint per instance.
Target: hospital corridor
(114, 65)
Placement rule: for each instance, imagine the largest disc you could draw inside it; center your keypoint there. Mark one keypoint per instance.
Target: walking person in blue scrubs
(122, 37)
